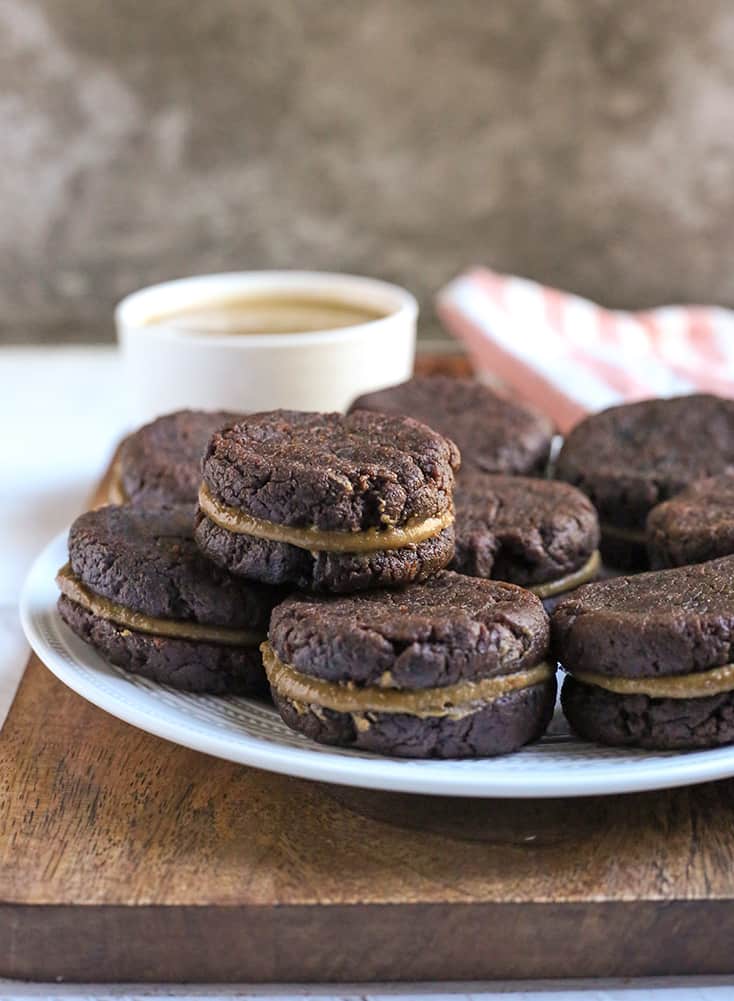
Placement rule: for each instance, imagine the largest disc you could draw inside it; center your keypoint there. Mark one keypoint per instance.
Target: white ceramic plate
(250, 732)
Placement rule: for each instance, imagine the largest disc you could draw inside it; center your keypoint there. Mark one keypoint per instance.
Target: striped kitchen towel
(568, 356)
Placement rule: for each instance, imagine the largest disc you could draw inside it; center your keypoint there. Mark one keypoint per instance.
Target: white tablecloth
(62, 411)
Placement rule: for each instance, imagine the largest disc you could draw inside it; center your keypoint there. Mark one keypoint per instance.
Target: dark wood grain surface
(123, 857)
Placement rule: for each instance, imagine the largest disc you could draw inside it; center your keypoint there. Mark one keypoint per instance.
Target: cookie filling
(455, 701)
(636, 535)
(582, 576)
(69, 585)
(372, 540)
(116, 492)
(684, 686)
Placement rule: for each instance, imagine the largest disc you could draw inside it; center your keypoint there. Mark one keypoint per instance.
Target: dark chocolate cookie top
(330, 471)
(696, 525)
(161, 462)
(146, 559)
(661, 623)
(629, 458)
(449, 629)
(493, 434)
(528, 531)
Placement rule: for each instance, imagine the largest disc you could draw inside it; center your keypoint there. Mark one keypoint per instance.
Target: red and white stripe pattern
(569, 357)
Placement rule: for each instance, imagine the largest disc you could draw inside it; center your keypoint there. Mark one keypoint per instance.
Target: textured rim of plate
(555, 767)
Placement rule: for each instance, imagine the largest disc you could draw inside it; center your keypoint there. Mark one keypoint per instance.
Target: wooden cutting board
(123, 857)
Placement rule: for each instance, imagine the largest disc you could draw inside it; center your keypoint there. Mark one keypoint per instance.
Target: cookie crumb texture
(183, 664)
(161, 462)
(451, 629)
(332, 473)
(500, 727)
(493, 434)
(279, 563)
(527, 531)
(146, 559)
(666, 622)
(695, 526)
(639, 721)
(629, 458)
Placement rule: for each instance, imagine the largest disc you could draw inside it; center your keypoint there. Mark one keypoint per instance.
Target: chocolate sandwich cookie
(651, 657)
(630, 458)
(137, 589)
(696, 525)
(492, 433)
(540, 534)
(160, 464)
(328, 502)
(453, 668)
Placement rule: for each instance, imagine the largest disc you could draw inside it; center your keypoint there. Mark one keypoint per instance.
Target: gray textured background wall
(588, 143)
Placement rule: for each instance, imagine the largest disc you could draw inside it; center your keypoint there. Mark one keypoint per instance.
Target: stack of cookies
(512, 523)
(308, 554)
(383, 574)
(650, 657)
(137, 587)
(410, 659)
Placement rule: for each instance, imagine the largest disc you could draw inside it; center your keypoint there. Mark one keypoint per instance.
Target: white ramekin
(166, 369)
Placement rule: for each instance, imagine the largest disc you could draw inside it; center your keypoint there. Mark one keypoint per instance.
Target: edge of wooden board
(419, 942)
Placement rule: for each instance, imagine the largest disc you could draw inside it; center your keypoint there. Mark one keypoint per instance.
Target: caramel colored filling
(452, 700)
(623, 534)
(684, 686)
(69, 585)
(582, 576)
(116, 492)
(372, 540)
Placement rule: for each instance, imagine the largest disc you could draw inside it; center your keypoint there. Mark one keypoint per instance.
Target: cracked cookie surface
(665, 622)
(360, 473)
(147, 560)
(492, 433)
(515, 528)
(449, 629)
(696, 525)
(440, 641)
(649, 657)
(160, 464)
(331, 472)
(140, 592)
(629, 458)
